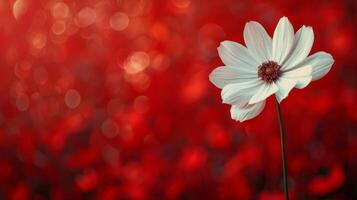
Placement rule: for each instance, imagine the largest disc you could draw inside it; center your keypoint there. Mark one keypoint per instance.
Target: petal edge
(246, 112)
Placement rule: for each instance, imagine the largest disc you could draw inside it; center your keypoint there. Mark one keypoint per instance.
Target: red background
(111, 100)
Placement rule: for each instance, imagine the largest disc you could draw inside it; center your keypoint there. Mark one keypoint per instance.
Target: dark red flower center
(269, 71)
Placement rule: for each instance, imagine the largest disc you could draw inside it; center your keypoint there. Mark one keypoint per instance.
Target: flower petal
(282, 40)
(234, 54)
(321, 63)
(284, 85)
(249, 111)
(302, 75)
(240, 92)
(301, 48)
(221, 76)
(263, 92)
(258, 41)
(303, 82)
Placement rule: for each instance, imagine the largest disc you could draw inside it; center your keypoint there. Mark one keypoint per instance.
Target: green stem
(283, 150)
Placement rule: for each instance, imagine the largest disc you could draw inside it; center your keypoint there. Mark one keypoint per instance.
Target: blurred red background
(111, 99)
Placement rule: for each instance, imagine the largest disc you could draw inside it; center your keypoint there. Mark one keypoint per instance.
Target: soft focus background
(109, 100)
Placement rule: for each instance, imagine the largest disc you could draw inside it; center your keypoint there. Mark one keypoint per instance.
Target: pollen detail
(269, 71)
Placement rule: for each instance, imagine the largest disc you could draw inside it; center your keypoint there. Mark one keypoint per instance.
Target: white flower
(267, 66)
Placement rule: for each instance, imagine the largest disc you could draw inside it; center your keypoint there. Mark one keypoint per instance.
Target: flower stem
(282, 132)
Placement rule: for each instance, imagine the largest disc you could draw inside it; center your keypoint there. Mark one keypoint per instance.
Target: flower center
(269, 71)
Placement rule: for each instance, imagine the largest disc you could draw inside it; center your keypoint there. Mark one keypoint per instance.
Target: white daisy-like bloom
(267, 66)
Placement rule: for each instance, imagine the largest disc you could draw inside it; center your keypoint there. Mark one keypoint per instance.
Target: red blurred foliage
(110, 99)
